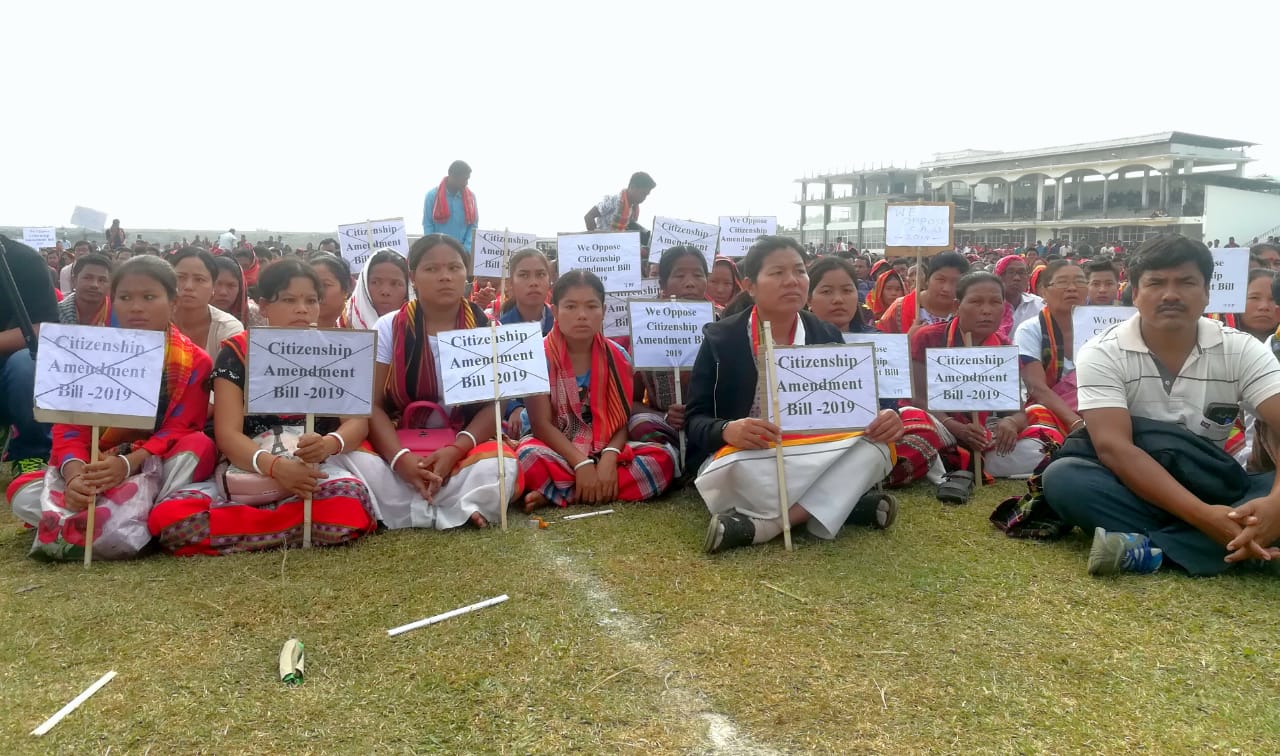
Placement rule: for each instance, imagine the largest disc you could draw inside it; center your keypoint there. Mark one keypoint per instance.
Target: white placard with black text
(89, 371)
(666, 334)
(467, 360)
(977, 379)
(614, 257)
(488, 261)
(1230, 285)
(917, 225)
(739, 232)
(893, 362)
(317, 371)
(831, 387)
(617, 316)
(672, 232)
(40, 237)
(1089, 321)
(354, 240)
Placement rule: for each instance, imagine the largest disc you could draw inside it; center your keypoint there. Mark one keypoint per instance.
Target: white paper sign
(1089, 321)
(670, 232)
(87, 217)
(828, 387)
(488, 251)
(978, 379)
(40, 237)
(917, 226)
(353, 240)
(893, 362)
(466, 361)
(91, 371)
(318, 371)
(1230, 285)
(617, 316)
(614, 257)
(739, 232)
(666, 334)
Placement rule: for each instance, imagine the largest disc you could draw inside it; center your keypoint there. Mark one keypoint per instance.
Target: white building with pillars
(1119, 190)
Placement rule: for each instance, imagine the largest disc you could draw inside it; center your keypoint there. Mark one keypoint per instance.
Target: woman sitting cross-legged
(1045, 347)
(451, 477)
(136, 467)
(1011, 443)
(833, 297)
(241, 512)
(682, 274)
(827, 474)
(579, 451)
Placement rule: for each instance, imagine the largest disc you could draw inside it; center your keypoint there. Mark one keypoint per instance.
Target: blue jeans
(17, 405)
(1088, 495)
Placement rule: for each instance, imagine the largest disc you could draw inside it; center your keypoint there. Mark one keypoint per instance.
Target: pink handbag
(246, 487)
(417, 437)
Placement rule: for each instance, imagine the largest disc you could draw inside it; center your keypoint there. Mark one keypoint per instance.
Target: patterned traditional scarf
(624, 211)
(609, 392)
(440, 210)
(1052, 348)
(179, 363)
(413, 367)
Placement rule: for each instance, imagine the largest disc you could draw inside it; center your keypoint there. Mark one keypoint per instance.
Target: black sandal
(956, 487)
(876, 508)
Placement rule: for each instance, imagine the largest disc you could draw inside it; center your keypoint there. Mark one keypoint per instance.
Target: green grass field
(940, 634)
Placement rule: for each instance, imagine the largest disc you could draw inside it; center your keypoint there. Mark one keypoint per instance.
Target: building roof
(841, 177)
(964, 157)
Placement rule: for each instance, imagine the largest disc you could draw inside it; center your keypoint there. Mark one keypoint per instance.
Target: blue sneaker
(1113, 553)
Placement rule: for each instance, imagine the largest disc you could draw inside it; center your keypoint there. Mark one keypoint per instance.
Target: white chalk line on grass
(723, 735)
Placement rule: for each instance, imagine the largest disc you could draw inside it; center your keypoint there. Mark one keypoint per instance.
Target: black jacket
(723, 384)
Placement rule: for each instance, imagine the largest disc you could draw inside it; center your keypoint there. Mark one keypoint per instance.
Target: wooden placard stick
(500, 302)
(94, 455)
(680, 401)
(977, 455)
(497, 421)
(306, 503)
(775, 417)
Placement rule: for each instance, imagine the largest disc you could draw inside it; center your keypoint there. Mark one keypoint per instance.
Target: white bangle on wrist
(583, 463)
(613, 449)
(254, 464)
(342, 444)
(461, 433)
(128, 466)
(397, 457)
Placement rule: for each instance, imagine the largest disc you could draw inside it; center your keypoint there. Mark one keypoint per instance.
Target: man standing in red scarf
(450, 208)
(621, 211)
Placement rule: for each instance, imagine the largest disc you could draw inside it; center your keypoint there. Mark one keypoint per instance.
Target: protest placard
(826, 388)
(1230, 285)
(489, 246)
(467, 359)
(918, 225)
(357, 241)
(978, 379)
(310, 371)
(670, 232)
(893, 362)
(88, 218)
(1089, 321)
(613, 256)
(93, 375)
(617, 316)
(40, 237)
(739, 232)
(665, 333)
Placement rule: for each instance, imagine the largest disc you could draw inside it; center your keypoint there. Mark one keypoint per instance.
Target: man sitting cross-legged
(1168, 364)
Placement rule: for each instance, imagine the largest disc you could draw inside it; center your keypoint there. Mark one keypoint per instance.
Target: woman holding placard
(580, 452)
(935, 304)
(195, 316)
(682, 274)
(527, 289)
(978, 314)
(447, 475)
(1046, 347)
(383, 288)
(263, 509)
(136, 467)
(827, 475)
(833, 297)
(1259, 320)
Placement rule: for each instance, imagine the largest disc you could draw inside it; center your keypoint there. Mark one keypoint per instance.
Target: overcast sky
(301, 116)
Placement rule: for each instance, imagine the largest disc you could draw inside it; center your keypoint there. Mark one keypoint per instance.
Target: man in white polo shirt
(1169, 364)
